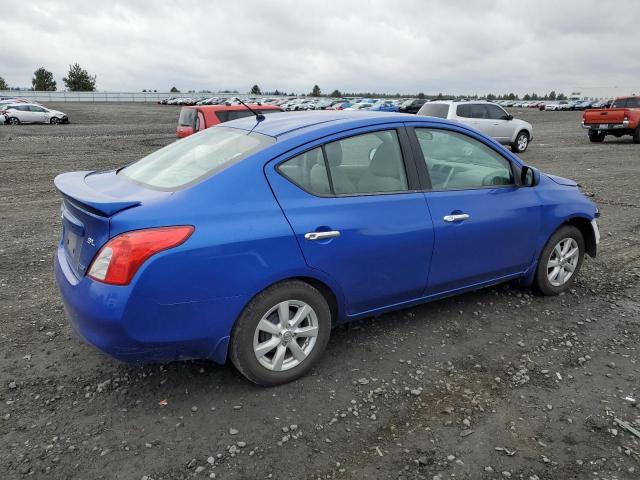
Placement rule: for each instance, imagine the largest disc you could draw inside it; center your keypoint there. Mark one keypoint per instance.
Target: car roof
(232, 108)
(287, 122)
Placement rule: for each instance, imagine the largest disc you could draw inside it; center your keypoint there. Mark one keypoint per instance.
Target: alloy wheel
(285, 335)
(523, 141)
(563, 261)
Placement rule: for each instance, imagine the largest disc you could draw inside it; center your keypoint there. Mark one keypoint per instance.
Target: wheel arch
(584, 225)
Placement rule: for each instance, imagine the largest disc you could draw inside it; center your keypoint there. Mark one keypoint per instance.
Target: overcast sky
(464, 46)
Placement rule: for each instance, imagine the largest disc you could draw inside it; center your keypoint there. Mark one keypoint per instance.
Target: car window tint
(633, 102)
(463, 111)
(235, 114)
(495, 112)
(456, 161)
(193, 158)
(308, 172)
(440, 110)
(478, 111)
(369, 163)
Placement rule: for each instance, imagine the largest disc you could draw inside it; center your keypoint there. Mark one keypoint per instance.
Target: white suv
(486, 117)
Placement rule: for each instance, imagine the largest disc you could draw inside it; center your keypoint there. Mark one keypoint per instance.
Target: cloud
(392, 46)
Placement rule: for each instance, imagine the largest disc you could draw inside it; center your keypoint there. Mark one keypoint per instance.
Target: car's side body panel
(249, 234)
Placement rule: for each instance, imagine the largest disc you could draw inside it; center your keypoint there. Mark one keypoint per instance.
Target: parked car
(486, 117)
(385, 106)
(196, 118)
(584, 105)
(359, 106)
(412, 105)
(623, 118)
(250, 241)
(556, 106)
(32, 113)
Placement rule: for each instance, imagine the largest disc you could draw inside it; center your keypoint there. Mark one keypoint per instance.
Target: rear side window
(187, 161)
(228, 115)
(440, 110)
(627, 103)
(365, 164)
(308, 172)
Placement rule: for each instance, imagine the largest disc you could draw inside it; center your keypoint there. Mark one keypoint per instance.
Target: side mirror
(508, 117)
(529, 177)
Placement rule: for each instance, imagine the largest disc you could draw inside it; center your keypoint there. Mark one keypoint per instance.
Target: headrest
(385, 161)
(334, 153)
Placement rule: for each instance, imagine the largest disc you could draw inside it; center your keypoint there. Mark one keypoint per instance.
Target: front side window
(496, 113)
(456, 161)
(368, 163)
(193, 158)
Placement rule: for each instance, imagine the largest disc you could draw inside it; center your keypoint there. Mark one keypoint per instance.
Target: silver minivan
(486, 117)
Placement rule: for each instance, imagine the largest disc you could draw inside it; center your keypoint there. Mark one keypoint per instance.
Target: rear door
(358, 214)
(485, 224)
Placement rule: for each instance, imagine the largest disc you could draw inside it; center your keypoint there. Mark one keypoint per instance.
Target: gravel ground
(493, 384)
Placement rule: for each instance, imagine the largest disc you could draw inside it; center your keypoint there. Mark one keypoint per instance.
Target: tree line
(317, 92)
(77, 80)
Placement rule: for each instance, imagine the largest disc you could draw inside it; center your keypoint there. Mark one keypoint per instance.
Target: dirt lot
(493, 384)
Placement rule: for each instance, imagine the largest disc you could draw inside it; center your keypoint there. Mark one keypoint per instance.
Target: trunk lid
(604, 116)
(90, 200)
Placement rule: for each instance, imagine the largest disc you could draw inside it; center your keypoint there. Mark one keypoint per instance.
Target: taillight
(120, 258)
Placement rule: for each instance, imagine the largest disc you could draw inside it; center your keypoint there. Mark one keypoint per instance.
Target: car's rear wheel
(636, 135)
(281, 334)
(596, 136)
(521, 143)
(14, 121)
(560, 261)
(54, 120)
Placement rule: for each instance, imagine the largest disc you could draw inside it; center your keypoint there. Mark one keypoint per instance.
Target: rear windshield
(633, 102)
(193, 158)
(187, 117)
(440, 110)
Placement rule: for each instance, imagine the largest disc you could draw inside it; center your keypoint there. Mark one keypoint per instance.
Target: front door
(485, 224)
(359, 217)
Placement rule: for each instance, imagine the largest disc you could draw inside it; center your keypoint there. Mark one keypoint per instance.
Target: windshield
(187, 117)
(189, 160)
(440, 110)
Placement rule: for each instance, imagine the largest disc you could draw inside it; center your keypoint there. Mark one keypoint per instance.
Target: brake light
(120, 258)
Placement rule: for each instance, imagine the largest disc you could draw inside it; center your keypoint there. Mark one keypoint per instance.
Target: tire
(636, 135)
(13, 121)
(54, 120)
(249, 333)
(566, 236)
(596, 136)
(521, 143)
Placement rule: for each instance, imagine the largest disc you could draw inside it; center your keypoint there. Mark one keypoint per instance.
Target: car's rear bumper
(606, 126)
(111, 319)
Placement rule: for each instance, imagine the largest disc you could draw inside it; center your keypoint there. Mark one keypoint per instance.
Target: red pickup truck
(623, 118)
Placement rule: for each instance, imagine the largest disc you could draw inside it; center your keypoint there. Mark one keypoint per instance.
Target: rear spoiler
(73, 186)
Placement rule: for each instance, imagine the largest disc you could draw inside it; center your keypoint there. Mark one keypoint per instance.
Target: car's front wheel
(560, 261)
(281, 334)
(521, 143)
(54, 120)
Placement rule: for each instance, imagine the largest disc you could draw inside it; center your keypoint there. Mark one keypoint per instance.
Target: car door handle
(456, 218)
(321, 235)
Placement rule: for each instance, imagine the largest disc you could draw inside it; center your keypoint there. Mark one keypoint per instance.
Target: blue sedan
(250, 241)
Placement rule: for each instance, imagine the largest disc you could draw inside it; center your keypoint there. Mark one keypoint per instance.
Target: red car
(198, 117)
